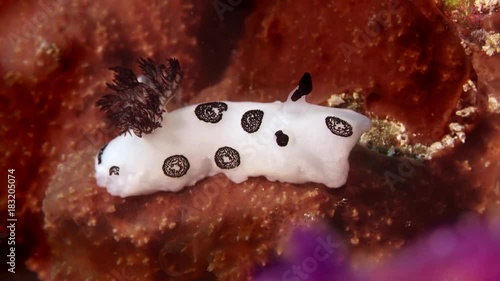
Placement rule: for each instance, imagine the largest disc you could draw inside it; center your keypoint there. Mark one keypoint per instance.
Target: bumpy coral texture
(406, 57)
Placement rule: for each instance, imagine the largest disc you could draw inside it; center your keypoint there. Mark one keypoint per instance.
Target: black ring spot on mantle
(227, 158)
(175, 166)
(99, 155)
(338, 126)
(281, 138)
(114, 170)
(251, 120)
(210, 112)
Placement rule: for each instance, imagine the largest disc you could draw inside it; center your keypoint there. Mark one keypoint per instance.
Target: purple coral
(312, 254)
(466, 252)
(469, 251)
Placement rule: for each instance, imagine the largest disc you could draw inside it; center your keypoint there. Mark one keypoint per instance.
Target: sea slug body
(292, 141)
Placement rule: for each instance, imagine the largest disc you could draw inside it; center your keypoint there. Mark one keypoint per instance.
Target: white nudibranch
(292, 141)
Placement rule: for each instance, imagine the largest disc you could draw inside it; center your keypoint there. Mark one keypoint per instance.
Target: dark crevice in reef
(122, 50)
(218, 36)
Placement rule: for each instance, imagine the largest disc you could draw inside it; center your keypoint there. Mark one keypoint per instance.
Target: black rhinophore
(305, 87)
